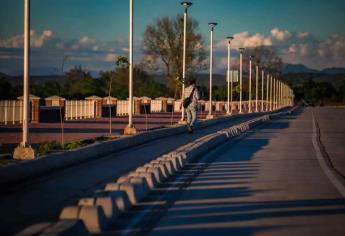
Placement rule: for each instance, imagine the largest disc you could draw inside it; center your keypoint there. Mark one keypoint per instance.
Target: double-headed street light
(229, 110)
(241, 57)
(186, 5)
(212, 26)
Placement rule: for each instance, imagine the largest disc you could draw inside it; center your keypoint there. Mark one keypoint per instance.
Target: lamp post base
(209, 117)
(24, 153)
(129, 130)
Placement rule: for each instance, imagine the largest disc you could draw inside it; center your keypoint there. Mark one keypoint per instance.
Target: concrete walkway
(269, 183)
(41, 199)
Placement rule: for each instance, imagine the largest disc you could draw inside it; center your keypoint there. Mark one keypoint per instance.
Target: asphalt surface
(332, 129)
(266, 183)
(41, 199)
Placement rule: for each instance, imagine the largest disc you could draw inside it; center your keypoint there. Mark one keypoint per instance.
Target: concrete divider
(92, 216)
(149, 176)
(156, 171)
(168, 164)
(134, 191)
(119, 197)
(27, 169)
(108, 205)
(162, 168)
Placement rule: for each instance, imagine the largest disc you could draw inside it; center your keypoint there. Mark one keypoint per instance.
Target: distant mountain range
(300, 69)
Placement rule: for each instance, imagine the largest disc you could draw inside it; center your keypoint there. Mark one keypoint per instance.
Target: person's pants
(191, 114)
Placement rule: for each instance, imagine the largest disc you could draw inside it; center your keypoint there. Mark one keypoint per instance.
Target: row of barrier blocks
(92, 215)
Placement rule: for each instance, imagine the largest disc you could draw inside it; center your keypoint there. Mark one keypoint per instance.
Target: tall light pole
(212, 26)
(129, 130)
(267, 92)
(24, 150)
(228, 75)
(262, 89)
(241, 58)
(186, 5)
(257, 86)
(250, 85)
(271, 89)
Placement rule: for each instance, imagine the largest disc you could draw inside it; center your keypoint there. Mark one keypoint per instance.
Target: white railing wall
(156, 106)
(122, 108)
(177, 106)
(79, 109)
(11, 112)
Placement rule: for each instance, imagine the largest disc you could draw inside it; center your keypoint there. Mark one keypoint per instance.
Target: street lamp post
(250, 85)
(262, 89)
(229, 111)
(24, 150)
(267, 92)
(241, 57)
(186, 5)
(129, 130)
(271, 90)
(212, 26)
(256, 86)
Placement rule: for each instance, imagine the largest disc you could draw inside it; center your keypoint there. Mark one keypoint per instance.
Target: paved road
(332, 127)
(268, 183)
(41, 199)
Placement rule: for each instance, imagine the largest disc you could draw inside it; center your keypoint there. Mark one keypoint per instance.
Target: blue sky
(301, 29)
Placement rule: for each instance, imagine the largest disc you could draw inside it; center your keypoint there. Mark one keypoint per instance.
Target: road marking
(326, 169)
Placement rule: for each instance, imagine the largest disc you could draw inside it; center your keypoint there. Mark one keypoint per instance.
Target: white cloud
(86, 40)
(110, 57)
(280, 35)
(301, 35)
(36, 40)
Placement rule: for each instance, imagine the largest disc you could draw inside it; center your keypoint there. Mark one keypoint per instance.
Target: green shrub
(73, 145)
(46, 148)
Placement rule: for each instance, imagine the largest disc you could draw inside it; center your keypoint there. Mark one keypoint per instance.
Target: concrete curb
(27, 169)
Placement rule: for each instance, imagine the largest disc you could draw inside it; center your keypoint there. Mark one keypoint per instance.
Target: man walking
(192, 93)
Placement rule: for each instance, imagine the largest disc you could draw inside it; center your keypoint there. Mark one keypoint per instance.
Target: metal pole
(241, 56)
(211, 71)
(229, 76)
(267, 92)
(250, 86)
(130, 128)
(274, 94)
(186, 5)
(26, 89)
(262, 90)
(212, 25)
(257, 88)
(271, 87)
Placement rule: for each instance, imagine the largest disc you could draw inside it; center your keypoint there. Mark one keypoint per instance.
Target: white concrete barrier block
(109, 206)
(120, 198)
(135, 192)
(112, 187)
(69, 213)
(139, 180)
(107, 203)
(161, 167)
(93, 218)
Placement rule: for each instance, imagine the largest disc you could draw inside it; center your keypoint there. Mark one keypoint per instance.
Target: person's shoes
(190, 129)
